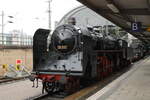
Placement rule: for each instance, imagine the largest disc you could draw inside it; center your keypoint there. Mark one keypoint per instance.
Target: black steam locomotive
(73, 56)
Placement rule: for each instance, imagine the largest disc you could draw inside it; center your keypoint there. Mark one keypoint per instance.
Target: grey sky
(32, 14)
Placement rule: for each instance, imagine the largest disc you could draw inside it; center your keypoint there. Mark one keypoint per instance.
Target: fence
(15, 40)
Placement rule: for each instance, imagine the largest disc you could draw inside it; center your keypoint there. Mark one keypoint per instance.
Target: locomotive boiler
(74, 56)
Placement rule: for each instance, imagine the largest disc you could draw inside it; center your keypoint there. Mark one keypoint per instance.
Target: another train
(75, 56)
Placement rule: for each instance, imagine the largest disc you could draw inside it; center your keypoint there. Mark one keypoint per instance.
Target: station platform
(20, 90)
(132, 85)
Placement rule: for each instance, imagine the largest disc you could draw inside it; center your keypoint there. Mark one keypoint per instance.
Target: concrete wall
(9, 56)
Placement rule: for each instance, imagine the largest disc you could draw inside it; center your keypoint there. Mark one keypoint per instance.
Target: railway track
(84, 92)
(7, 80)
(46, 97)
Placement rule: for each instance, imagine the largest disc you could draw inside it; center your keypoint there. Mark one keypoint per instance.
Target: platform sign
(136, 26)
(18, 61)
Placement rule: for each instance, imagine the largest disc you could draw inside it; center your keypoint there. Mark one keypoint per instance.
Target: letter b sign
(136, 26)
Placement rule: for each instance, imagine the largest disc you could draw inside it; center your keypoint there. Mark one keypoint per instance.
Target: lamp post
(4, 25)
(49, 13)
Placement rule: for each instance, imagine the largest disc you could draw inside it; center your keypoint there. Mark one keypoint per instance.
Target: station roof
(123, 13)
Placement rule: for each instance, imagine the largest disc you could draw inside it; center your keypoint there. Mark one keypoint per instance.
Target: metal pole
(2, 28)
(49, 14)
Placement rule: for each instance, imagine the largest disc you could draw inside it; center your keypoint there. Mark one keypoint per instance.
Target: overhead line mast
(49, 14)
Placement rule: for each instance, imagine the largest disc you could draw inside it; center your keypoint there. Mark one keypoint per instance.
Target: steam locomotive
(73, 56)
